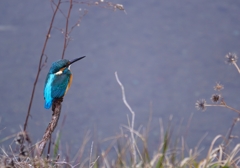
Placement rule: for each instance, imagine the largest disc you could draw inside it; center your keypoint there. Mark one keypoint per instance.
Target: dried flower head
(19, 140)
(119, 6)
(201, 104)
(215, 98)
(218, 87)
(231, 58)
(23, 151)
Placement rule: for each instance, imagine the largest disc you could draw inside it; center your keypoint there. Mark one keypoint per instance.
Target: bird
(58, 80)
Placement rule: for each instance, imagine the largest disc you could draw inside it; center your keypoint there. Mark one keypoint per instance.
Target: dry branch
(132, 122)
(56, 108)
(41, 63)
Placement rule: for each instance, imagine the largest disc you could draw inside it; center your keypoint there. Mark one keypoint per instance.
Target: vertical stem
(66, 39)
(40, 64)
(132, 122)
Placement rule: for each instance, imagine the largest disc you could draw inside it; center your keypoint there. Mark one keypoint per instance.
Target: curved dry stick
(133, 119)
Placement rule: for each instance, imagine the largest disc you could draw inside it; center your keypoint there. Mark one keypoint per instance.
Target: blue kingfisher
(58, 81)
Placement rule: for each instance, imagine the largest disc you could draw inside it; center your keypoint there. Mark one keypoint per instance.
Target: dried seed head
(19, 140)
(119, 6)
(215, 98)
(218, 87)
(231, 58)
(201, 104)
(23, 151)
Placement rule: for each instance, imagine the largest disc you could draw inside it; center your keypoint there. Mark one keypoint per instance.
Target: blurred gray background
(168, 55)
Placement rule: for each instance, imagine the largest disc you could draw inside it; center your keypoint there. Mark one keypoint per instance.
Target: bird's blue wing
(47, 91)
(59, 85)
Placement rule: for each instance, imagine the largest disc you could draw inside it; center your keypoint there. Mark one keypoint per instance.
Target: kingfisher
(58, 80)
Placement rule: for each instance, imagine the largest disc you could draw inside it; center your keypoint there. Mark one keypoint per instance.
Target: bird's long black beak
(75, 60)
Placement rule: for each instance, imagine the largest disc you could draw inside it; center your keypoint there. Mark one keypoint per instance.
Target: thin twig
(226, 106)
(90, 155)
(133, 119)
(41, 63)
(78, 22)
(93, 163)
(188, 125)
(235, 64)
(230, 131)
(66, 39)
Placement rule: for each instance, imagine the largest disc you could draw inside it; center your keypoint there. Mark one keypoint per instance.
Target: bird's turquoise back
(55, 86)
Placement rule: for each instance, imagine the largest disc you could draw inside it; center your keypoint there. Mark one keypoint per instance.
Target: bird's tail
(48, 104)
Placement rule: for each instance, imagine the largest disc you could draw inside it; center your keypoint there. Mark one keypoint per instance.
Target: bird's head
(59, 66)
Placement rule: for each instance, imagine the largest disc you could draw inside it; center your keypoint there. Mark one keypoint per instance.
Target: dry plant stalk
(42, 62)
(132, 122)
(56, 108)
(218, 101)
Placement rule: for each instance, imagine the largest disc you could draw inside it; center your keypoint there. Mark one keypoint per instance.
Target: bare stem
(226, 106)
(66, 39)
(133, 119)
(40, 65)
(229, 137)
(234, 63)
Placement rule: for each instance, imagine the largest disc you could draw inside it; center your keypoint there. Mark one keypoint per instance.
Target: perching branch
(56, 108)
